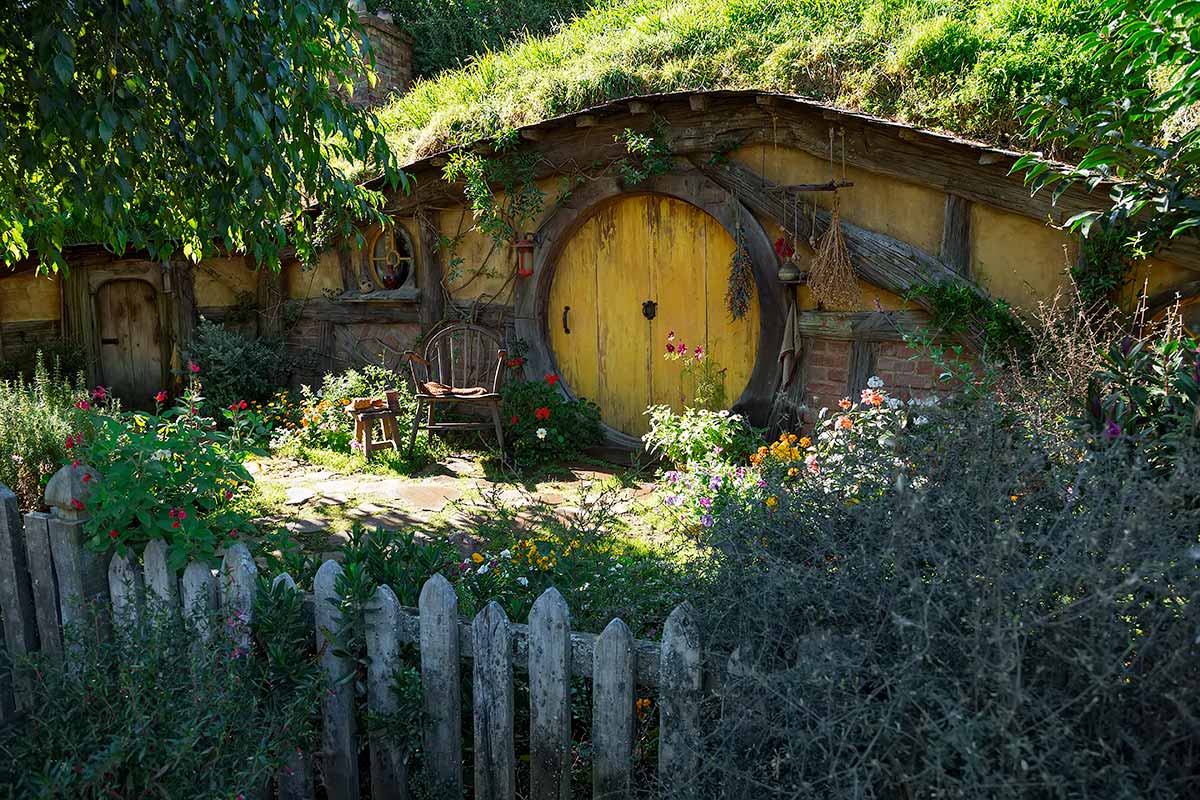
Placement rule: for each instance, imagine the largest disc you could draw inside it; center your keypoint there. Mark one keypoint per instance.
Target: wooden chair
(462, 364)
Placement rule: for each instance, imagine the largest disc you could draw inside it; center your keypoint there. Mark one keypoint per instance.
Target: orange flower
(844, 403)
(805, 442)
(844, 423)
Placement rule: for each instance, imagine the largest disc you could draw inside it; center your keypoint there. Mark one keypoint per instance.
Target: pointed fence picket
(34, 603)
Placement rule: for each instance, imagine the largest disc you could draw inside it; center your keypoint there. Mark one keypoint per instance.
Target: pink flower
(182, 514)
(682, 349)
(671, 336)
(83, 404)
(100, 393)
(699, 351)
(193, 367)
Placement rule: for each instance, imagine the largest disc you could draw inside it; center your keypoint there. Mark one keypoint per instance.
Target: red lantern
(524, 249)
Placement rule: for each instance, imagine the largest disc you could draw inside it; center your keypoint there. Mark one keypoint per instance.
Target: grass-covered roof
(960, 65)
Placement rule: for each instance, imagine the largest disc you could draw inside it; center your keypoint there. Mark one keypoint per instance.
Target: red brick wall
(826, 372)
(902, 375)
(393, 60)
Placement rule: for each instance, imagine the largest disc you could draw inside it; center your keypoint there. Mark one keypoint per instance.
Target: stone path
(320, 506)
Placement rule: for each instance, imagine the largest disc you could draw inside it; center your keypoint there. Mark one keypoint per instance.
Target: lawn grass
(962, 65)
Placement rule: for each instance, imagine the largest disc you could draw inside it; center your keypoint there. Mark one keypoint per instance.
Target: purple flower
(714, 482)
(671, 500)
(741, 472)
(762, 484)
(1111, 430)
(706, 502)
(672, 476)
(707, 520)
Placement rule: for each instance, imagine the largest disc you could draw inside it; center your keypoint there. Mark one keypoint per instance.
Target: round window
(392, 258)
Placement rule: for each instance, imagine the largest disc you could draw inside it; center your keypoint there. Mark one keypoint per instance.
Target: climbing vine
(956, 308)
(648, 154)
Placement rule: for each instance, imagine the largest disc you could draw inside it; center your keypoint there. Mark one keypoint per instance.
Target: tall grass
(964, 65)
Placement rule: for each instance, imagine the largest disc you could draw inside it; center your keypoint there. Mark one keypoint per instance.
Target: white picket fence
(47, 578)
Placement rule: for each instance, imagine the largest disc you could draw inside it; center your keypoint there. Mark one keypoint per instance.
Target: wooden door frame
(698, 190)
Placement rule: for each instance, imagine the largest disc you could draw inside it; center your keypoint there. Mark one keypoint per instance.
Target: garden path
(320, 504)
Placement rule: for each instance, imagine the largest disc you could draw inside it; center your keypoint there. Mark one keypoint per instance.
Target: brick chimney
(393, 56)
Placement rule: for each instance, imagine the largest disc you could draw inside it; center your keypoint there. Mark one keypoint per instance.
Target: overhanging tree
(176, 125)
(1144, 145)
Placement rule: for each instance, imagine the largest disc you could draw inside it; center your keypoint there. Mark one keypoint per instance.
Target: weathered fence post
(82, 574)
(199, 599)
(612, 713)
(161, 580)
(126, 590)
(337, 703)
(679, 686)
(495, 755)
(45, 587)
(295, 782)
(239, 577)
(16, 602)
(550, 698)
(439, 682)
(389, 774)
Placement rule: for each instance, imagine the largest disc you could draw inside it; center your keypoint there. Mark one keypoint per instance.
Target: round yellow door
(639, 269)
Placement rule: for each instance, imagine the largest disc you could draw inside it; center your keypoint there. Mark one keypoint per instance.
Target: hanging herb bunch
(741, 277)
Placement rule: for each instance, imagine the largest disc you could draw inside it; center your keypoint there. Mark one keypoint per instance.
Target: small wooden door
(131, 358)
(638, 249)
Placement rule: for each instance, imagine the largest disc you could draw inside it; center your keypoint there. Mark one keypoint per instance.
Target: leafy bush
(237, 367)
(543, 426)
(40, 420)
(154, 715)
(23, 362)
(998, 622)
(698, 435)
(170, 475)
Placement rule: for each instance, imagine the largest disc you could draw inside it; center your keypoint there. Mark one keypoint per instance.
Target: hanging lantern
(524, 249)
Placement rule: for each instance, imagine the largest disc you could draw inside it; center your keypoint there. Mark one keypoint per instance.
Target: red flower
(233, 534)
(75, 504)
(172, 513)
(182, 514)
(542, 413)
(100, 393)
(670, 347)
(513, 421)
(242, 405)
(87, 477)
(161, 397)
(83, 405)
(112, 534)
(783, 249)
(71, 442)
(514, 363)
(551, 379)
(194, 367)
(175, 524)
(233, 406)
(76, 464)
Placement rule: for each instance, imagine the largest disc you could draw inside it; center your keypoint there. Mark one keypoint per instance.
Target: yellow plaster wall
(1155, 275)
(219, 281)
(323, 278)
(29, 296)
(1018, 258)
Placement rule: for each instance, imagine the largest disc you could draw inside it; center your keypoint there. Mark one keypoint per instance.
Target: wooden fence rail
(47, 578)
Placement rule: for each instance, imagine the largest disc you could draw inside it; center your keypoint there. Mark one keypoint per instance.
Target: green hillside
(959, 65)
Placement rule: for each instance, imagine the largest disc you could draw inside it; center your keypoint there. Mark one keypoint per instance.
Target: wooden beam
(698, 102)
(639, 107)
(956, 234)
(861, 326)
(585, 121)
(828, 186)
(350, 312)
(430, 271)
(533, 134)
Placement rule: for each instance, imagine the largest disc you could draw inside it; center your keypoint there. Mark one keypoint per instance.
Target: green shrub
(324, 422)
(40, 421)
(237, 367)
(543, 426)
(1000, 622)
(171, 475)
(22, 362)
(153, 715)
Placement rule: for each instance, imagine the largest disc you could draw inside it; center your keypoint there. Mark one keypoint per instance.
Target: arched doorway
(131, 340)
(608, 344)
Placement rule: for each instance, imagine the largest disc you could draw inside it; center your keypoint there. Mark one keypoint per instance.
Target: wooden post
(550, 698)
(495, 759)
(439, 681)
(161, 581)
(429, 274)
(389, 774)
(81, 573)
(45, 587)
(239, 577)
(126, 589)
(612, 713)
(16, 600)
(295, 781)
(956, 234)
(199, 599)
(337, 703)
(679, 705)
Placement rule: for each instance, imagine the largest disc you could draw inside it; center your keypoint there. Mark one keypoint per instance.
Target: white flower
(541, 433)
(921, 420)
(483, 568)
(894, 402)
(874, 382)
(506, 553)
(523, 580)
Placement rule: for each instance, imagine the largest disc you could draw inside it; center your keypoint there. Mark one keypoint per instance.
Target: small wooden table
(384, 411)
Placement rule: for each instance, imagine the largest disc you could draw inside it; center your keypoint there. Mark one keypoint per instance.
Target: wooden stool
(385, 414)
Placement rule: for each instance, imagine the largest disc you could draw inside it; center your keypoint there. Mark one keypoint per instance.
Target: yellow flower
(772, 501)
(478, 559)
(793, 472)
(805, 442)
